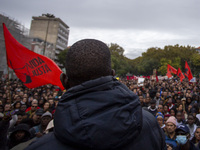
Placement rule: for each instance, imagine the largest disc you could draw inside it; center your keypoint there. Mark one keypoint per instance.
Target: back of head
(87, 59)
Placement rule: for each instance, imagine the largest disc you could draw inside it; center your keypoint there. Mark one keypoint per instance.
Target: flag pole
(7, 67)
(9, 84)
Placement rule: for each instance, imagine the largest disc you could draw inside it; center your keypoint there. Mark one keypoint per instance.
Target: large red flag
(180, 74)
(188, 72)
(171, 69)
(31, 68)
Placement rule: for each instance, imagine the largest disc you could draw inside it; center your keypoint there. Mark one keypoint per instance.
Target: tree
(62, 57)
(118, 61)
(196, 64)
(163, 68)
(116, 49)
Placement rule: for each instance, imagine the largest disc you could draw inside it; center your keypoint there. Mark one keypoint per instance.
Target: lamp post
(49, 16)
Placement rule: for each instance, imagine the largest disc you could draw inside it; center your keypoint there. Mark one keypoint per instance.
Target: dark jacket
(192, 147)
(12, 140)
(101, 114)
(4, 125)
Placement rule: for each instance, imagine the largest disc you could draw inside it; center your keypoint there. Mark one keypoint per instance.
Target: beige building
(51, 30)
(37, 45)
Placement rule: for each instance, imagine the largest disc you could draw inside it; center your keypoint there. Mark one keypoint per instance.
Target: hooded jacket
(101, 114)
(12, 140)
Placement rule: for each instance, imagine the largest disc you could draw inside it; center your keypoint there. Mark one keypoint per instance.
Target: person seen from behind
(97, 111)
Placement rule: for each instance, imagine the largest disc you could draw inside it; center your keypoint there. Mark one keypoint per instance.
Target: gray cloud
(134, 25)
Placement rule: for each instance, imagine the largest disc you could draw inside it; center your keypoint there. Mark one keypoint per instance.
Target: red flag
(171, 69)
(156, 77)
(31, 68)
(127, 77)
(188, 72)
(180, 74)
(169, 75)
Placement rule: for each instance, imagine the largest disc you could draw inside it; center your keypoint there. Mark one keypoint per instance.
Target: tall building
(37, 45)
(51, 30)
(19, 32)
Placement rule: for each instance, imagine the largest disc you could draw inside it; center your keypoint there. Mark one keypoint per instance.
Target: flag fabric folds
(188, 72)
(180, 74)
(171, 69)
(169, 75)
(32, 69)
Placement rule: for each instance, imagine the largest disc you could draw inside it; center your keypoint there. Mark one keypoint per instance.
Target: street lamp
(49, 16)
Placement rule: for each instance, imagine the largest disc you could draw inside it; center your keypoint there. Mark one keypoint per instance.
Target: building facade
(37, 45)
(53, 31)
(19, 32)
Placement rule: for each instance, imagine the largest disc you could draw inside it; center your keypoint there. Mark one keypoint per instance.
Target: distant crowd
(174, 104)
(27, 114)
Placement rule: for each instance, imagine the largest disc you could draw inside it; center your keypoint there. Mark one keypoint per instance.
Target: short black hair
(86, 60)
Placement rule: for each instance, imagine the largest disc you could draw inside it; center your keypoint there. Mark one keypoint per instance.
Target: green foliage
(118, 61)
(62, 57)
(157, 58)
(195, 64)
(153, 58)
(163, 65)
(115, 49)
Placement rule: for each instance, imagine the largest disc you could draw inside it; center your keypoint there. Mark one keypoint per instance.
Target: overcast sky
(135, 25)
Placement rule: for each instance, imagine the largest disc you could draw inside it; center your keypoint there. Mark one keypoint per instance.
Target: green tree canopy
(153, 58)
(62, 57)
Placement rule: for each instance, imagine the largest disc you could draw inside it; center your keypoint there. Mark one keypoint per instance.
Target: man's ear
(64, 80)
(113, 72)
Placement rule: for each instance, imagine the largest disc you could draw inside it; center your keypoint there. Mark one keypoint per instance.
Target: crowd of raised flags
(179, 73)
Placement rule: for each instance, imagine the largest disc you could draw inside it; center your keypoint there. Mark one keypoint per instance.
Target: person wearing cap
(170, 137)
(37, 131)
(182, 138)
(160, 119)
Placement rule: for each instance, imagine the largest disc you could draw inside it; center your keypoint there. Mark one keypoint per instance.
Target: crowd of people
(29, 111)
(25, 113)
(174, 104)
(97, 111)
